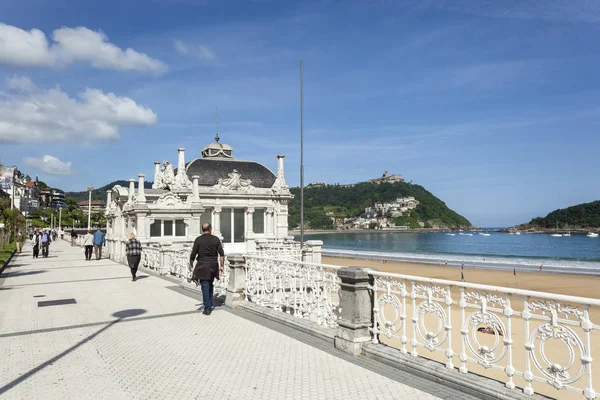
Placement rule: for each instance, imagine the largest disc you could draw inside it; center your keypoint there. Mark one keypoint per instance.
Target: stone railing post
(237, 281)
(353, 326)
(312, 252)
(164, 268)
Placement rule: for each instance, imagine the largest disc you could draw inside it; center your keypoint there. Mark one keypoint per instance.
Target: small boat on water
(592, 235)
(556, 234)
(568, 231)
(450, 234)
(485, 234)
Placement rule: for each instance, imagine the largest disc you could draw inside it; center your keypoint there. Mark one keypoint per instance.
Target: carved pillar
(195, 190)
(141, 197)
(131, 190)
(312, 252)
(269, 222)
(250, 244)
(141, 227)
(108, 198)
(237, 281)
(217, 222)
(280, 174)
(353, 326)
(157, 179)
(181, 177)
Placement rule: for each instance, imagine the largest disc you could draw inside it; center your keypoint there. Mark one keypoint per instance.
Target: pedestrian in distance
(88, 245)
(99, 241)
(208, 252)
(46, 239)
(73, 237)
(35, 242)
(20, 240)
(133, 249)
(462, 276)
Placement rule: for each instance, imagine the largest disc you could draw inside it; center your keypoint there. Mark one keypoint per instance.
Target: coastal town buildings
(243, 200)
(97, 206)
(26, 193)
(392, 209)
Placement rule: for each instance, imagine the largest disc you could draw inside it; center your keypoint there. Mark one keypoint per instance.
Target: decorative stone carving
(169, 200)
(166, 178)
(234, 182)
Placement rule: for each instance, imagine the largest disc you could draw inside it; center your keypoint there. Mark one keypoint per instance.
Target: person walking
(99, 241)
(73, 237)
(133, 250)
(35, 242)
(88, 244)
(208, 252)
(46, 240)
(20, 239)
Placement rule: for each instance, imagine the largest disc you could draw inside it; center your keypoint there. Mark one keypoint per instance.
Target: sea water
(576, 254)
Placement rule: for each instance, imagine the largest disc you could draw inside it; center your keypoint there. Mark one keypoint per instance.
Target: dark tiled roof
(211, 169)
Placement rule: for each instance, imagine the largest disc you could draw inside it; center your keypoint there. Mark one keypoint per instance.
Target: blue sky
(492, 106)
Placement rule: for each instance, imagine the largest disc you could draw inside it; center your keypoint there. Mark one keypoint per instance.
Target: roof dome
(217, 149)
(210, 169)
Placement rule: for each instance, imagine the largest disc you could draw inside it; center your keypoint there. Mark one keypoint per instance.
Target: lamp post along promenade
(90, 189)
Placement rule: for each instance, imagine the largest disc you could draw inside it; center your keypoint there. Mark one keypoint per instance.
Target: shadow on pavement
(120, 315)
(15, 274)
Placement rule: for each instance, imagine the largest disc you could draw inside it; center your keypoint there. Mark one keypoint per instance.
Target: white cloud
(53, 116)
(49, 165)
(21, 83)
(181, 47)
(31, 48)
(204, 53)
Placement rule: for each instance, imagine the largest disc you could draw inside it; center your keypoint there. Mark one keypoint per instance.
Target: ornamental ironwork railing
(534, 340)
(304, 290)
(176, 262)
(287, 249)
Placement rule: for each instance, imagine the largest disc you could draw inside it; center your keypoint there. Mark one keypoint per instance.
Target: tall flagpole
(301, 153)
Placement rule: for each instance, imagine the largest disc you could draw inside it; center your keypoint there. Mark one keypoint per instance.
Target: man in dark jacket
(210, 257)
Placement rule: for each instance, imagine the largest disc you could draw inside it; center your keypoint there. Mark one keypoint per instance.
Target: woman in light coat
(88, 244)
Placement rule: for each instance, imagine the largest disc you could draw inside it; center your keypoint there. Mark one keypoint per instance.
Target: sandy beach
(574, 285)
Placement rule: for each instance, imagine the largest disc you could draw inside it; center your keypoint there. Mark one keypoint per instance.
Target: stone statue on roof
(167, 175)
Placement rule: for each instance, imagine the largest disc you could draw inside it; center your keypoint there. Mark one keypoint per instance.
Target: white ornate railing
(175, 262)
(278, 249)
(540, 339)
(310, 291)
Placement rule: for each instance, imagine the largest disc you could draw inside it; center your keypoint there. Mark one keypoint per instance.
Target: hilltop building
(387, 178)
(243, 200)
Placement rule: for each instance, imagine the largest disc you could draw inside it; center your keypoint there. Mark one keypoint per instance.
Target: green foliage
(41, 185)
(586, 215)
(352, 201)
(6, 251)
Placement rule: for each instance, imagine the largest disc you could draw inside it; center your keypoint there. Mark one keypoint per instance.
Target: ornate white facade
(243, 200)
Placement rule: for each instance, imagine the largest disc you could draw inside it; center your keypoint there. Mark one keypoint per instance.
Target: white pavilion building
(243, 200)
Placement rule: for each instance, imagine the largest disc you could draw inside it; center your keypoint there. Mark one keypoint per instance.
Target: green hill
(351, 201)
(586, 215)
(100, 193)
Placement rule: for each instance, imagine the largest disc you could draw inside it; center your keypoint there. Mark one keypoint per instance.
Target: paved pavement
(141, 340)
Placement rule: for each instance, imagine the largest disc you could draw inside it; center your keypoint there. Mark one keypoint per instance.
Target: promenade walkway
(146, 340)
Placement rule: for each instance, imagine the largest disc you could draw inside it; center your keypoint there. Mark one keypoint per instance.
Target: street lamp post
(90, 188)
